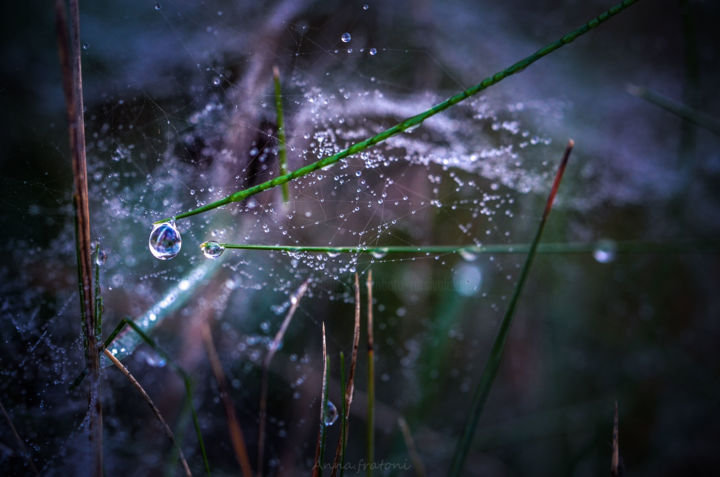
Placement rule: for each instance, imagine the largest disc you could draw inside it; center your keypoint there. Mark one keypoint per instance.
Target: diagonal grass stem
(493, 364)
(414, 120)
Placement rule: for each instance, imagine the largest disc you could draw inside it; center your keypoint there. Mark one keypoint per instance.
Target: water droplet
(165, 241)
(365, 7)
(331, 414)
(157, 6)
(467, 255)
(373, 52)
(333, 254)
(379, 253)
(212, 249)
(101, 257)
(345, 37)
(605, 251)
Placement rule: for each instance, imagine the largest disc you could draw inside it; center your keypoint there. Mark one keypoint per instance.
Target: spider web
(180, 112)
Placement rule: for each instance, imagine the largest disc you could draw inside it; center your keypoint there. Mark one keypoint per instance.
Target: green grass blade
(282, 151)
(630, 246)
(491, 367)
(414, 120)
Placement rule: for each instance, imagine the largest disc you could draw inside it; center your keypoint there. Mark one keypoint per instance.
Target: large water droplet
(345, 37)
(165, 241)
(212, 249)
(605, 251)
(331, 414)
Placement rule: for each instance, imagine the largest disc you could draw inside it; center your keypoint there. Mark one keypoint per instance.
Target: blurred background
(180, 111)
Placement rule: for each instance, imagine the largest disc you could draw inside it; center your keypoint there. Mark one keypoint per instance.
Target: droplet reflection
(165, 241)
(605, 251)
(331, 414)
(212, 249)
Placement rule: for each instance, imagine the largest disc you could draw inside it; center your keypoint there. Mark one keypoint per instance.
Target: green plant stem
(491, 367)
(414, 120)
(282, 150)
(635, 246)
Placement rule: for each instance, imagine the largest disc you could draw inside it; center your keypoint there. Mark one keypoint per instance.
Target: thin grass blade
(350, 387)
(236, 434)
(274, 346)
(187, 381)
(320, 449)
(412, 450)
(491, 367)
(414, 120)
(371, 379)
(154, 409)
(282, 151)
(69, 49)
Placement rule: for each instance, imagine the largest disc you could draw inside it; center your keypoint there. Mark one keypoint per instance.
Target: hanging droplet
(467, 255)
(332, 254)
(605, 251)
(212, 249)
(157, 7)
(365, 7)
(331, 414)
(345, 37)
(165, 241)
(101, 257)
(373, 51)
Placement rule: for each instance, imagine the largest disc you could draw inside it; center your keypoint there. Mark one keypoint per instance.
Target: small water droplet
(212, 249)
(333, 254)
(372, 52)
(379, 253)
(605, 251)
(365, 7)
(331, 414)
(165, 241)
(345, 37)
(467, 255)
(101, 257)
(157, 6)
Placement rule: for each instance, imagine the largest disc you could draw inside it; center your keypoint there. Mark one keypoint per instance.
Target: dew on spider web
(161, 140)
